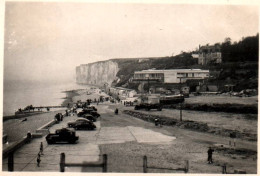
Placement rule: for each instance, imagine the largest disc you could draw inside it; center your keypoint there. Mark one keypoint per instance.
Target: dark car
(82, 123)
(94, 114)
(84, 111)
(90, 117)
(81, 113)
(88, 111)
(62, 135)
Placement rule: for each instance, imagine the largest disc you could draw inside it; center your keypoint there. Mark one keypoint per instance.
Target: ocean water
(19, 94)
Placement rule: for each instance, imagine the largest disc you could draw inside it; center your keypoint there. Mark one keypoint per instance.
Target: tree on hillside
(244, 50)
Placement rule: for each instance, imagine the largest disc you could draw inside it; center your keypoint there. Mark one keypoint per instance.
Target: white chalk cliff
(97, 73)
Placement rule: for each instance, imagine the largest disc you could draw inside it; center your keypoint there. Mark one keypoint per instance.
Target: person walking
(38, 160)
(210, 152)
(29, 137)
(116, 111)
(41, 149)
(156, 121)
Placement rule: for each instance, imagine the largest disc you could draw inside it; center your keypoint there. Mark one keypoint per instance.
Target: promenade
(25, 157)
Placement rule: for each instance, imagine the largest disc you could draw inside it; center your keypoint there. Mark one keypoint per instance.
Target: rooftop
(171, 70)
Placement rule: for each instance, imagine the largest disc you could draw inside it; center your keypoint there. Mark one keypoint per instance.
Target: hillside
(239, 66)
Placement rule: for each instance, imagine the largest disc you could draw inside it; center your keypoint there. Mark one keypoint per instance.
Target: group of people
(58, 117)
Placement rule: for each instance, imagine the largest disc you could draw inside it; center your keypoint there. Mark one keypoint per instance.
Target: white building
(122, 93)
(170, 76)
(195, 55)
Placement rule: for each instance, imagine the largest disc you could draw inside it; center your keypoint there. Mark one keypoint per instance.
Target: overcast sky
(48, 40)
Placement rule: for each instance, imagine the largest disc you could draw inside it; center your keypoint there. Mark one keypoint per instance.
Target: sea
(19, 94)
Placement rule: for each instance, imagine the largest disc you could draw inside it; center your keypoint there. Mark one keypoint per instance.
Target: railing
(63, 164)
(185, 169)
(145, 167)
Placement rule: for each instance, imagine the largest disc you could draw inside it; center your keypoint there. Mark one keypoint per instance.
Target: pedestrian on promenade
(41, 149)
(116, 111)
(210, 152)
(38, 159)
(29, 137)
(156, 121)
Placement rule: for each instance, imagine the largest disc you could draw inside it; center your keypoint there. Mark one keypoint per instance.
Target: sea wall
(97, 73)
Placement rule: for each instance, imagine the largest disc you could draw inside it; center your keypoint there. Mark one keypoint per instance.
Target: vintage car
(62, 135)
(88, 111)
(94, 114)
(82, 123)
(90, 117)
(83, 112)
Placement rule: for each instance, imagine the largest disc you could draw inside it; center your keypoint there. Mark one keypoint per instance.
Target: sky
(47, 40)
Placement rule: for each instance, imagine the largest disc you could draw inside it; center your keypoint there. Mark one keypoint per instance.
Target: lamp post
(147, 76)
(180, 103)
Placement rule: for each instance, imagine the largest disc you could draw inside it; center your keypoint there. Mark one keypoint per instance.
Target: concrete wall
(171, 77)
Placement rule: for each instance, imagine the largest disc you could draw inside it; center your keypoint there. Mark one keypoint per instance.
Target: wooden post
(145, 164)
(62, 162)
(224, 169)
(181, 112)
(105, 163)
(11, 162)
(186, 166)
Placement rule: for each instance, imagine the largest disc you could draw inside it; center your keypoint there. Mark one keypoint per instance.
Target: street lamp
(180, 102)
(147, 76)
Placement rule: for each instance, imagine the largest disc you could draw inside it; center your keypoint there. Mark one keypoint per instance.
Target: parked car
(90, 117)
(94, 114)
(82, 123)
(88, 111)
(62, 135)
(84, 111)
(81, 113)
